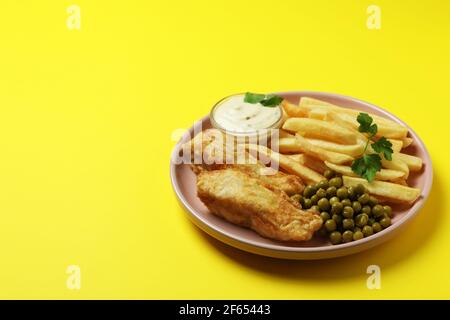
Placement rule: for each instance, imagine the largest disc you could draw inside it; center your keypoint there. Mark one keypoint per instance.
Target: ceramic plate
(184, 184)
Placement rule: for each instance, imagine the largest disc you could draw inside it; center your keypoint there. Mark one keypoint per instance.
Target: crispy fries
(293, 110)
(309, 103)
(392, 191)
(383, 174)
(407, 141)
(313, 128)
(319, 114)
(320, 153)
(350, 149)
(300, 144)
(413, 163)
(289, 165)
(395, 164)
(397, 145)
(285, 134)
(311, 163)
(386, 127)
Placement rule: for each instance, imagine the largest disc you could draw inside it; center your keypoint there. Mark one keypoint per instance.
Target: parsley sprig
(269, 100)
(368, 165)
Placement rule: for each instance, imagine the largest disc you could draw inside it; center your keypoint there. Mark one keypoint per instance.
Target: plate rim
(366, 242)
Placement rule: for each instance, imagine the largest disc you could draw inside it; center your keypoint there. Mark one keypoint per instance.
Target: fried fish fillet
(252, 203)
(207, 146)
(288, 183)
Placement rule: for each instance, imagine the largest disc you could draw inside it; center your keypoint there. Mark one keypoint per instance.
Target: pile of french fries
(318, 135)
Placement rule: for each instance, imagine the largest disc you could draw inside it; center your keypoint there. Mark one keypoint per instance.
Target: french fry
(289, 144)
(293, 110)
(313, 128)
(308, 103)
(310, 162)
(413, 163)
(386, 127)
(297, 157)
(353, 150)
(383, 174)
(334, 117)
(395, 164)
(386, 130)
(319, 114)
(401, 181)
(285, 134)
(392, 191)
(300, 144)
(407, 141)
(397, 145)
(288, 164)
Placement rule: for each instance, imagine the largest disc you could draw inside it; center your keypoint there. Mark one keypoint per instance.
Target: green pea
(336, 182)
(337, 218)
(388, 211)
(321, 193)
(347, 236)
(355, 229)
(323, 204)
(330, 225)
(308, 204)
(331, 192)
(346, 202)
(351, 193)
(358, 235)
(302, 201)
(348, 212)
(376, 227)
(329, 174)
(342, 193)
(315, 208)
(336, 208)
(314, 199)
(361, 220)
(385, 222)
(348, 224)
(373, 201)
(367, 231)
(334, 200)
(371, 221)
(323, 184)
(356, 206)
(364, 198)
(377, 211)
(335, 237)
(308, 192)
(359, 189)
(325, 216)
(367, 210)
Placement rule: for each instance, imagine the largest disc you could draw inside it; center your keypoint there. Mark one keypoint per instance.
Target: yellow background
(86, 118)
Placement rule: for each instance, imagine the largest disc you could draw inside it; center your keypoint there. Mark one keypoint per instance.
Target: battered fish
(206, 146)
(250, 202)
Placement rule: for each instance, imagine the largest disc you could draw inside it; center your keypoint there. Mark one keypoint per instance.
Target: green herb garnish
(369, 164)
(383, 146)
(269, 100)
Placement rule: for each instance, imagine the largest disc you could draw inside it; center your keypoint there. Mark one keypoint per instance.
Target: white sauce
(233, 114)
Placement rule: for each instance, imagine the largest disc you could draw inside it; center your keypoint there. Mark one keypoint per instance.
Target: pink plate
(184, 184)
